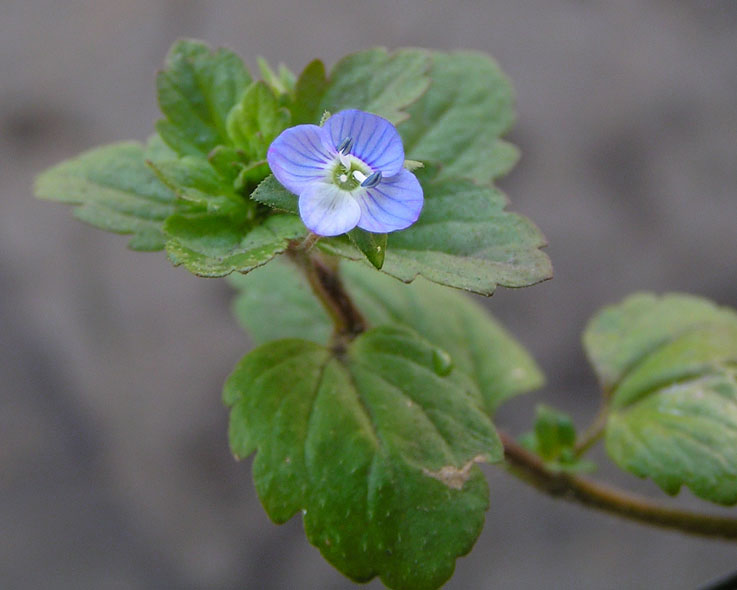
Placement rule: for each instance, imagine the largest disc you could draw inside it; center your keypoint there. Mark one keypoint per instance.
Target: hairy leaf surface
(375, 448)
(216, 245)
(669, 367)
(464, 238)
(196, 91)
(115, 191)
(457, 123)
(378, 82)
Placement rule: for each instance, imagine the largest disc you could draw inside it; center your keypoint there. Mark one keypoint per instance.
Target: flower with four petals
(348, 173)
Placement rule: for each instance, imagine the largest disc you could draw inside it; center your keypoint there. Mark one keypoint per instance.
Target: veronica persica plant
(347, 173)
(369, 403)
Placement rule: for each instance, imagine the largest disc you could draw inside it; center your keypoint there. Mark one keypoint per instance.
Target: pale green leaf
(668, 365)
(458, 121)
(620, 336)
(115, 191)
(378, 82)
(281, 82)
(275, 303)
(684, 433)
(373, 446)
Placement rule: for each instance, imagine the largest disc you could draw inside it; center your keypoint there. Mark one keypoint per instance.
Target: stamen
(359, 176)
(345, 146)
(372, 180)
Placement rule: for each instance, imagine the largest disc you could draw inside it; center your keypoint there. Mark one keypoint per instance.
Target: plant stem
(324, 280)
(322, 276)
(594, 432)
(528, 467)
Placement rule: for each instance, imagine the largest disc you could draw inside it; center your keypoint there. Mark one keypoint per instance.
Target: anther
(345, 146)
(372, 180)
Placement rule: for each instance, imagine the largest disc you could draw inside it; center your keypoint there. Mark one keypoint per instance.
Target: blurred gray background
(114, 466)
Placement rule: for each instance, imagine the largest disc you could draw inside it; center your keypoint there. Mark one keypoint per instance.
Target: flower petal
(328, 210)
(395, 203)
(298, 156)
(375, 140)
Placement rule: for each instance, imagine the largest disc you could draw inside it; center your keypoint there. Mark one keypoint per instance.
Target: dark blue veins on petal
(376, 141)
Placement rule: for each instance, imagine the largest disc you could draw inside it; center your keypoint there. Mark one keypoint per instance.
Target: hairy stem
(528, 467)
(324, 280)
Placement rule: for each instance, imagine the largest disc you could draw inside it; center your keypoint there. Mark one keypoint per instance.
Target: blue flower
(349, 172)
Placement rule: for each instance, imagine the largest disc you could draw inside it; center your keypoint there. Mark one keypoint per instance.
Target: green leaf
(196, 181)
(311, 86)
(157, 150)
(271, 192)
(554, 440)
(282, 83)
(216, 245)
(196, 91)
(669, 366)
(373, 246)
(463, 239)
(375, 448)
(620, 336)
(682, 434)
(115, 191)
(275, 303)
(554, 432)
(228, 161)
(378, 82)
(256, 121)
(458, 121)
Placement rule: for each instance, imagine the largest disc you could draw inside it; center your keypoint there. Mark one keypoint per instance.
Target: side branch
(528, 467)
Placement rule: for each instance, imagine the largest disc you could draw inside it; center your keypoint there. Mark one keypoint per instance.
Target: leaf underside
(669, 367)
(113, 190)
(375, 448)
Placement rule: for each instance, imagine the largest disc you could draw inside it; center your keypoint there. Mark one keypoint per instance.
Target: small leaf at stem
(270, 192)
(372, 245)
